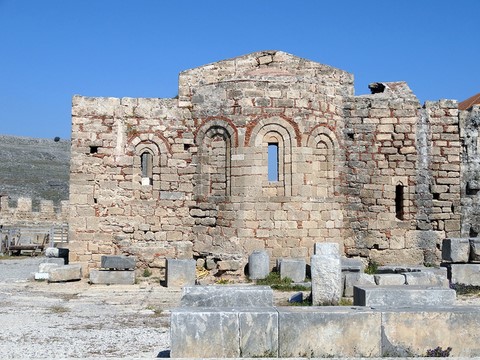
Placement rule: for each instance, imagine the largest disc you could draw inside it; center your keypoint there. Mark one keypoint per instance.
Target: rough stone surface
(326, 273)
(306, 332)
(356, 279)
(65, 273)
(118, 262)
(456, 250)
(402, 296)
(465, 274)
(227, 296)
(326, 249)
(351, 265)
(180, 272)
(258, 265)
(223, 332)
(294, 269)
(111, 277)
(444, 327)
(427, 278)
(389, 279)
(474, 249)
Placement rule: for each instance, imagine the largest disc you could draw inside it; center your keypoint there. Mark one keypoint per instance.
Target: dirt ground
(78, 320)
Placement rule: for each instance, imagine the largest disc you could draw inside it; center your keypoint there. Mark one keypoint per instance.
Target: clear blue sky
(53, 49)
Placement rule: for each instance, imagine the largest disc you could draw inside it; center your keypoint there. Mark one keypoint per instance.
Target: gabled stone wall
(189, 177)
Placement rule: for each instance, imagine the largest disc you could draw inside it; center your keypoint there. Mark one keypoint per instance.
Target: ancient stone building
(189, 177)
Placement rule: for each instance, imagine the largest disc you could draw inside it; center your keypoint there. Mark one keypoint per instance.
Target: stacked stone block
(461, 255)
(115, 270)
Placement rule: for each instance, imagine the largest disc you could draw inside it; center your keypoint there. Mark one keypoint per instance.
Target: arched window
(146, 165)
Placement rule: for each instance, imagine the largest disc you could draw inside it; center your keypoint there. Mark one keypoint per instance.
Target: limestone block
(258, 265)
(426, 278)
(258, 332)
(226, 296)
(402, 296)
(354, 279)
(456, 327)
(456, 250)
(326, 249)
(389, 279)
(294, 269)
(316, 332)
(65, 273)
(46, 267)
(51, 252)
(112, 277)
(118, 262)
(351, 265)
(465, 274)
(41, 276)
(326, 272)
(475, 249)
(180, 272)
(223, 332)
(204, 333)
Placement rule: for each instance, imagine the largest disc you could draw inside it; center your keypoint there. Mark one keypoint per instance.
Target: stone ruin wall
(342, 159)
(22, 214)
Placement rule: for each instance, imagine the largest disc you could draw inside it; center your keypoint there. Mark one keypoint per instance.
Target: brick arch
(214, 140)
(325, 160)
(289, 127)
(278, 130)
(222, 122)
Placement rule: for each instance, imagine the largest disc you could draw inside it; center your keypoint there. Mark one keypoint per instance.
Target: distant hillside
(36, 168)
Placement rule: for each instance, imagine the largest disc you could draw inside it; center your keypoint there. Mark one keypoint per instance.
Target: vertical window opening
(147, 168)
(272, 161)
(399, 205)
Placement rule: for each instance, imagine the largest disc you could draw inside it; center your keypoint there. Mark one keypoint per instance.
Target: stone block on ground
(475, 249)
(112, 277)
(456, 250)
(223, 332)
(426, 278)
(351, 265)
(46, 266)
(389, 279)
(412, 332)
(118, 262)
(326, 272)
(465, 274)
(402, 296)
(258, 265)
(180, 272)
(353, 279)
(295, 269)
(65, 273)
(317, 332)
(227, 296)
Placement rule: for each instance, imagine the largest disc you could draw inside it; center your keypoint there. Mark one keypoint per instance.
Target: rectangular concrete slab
(226, 296)
(112, 277)
(329, 331)
(413, 332)
(65, 273)
(389, 279)
(118, 262)
(426, 278)
(402, 296)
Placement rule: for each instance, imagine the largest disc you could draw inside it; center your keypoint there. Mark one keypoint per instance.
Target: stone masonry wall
(22, 214)
(189, 177)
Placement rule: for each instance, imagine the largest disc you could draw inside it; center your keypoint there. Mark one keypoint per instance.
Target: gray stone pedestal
(326, 271)
(258, 265)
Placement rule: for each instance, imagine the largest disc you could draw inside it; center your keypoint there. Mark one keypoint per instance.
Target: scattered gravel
(78, 320)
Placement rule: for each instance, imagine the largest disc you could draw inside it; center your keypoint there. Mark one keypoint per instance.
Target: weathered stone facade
(189, 178)
(23, 215)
